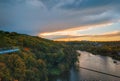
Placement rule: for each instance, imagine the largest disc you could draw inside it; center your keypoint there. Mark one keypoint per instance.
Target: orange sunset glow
(76, 33)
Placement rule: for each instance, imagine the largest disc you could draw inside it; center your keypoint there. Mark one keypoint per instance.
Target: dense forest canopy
(37, 59)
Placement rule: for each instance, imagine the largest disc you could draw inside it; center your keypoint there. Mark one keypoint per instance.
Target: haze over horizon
(63, 20)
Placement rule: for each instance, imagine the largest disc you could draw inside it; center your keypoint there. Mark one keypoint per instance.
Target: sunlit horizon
(99, 32)
(62, 19)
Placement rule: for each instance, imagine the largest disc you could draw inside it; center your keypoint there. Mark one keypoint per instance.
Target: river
(94, 62)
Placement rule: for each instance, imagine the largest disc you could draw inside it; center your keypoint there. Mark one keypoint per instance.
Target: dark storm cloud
(82, 4)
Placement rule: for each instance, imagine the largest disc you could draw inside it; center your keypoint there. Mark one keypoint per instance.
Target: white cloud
(36, 3)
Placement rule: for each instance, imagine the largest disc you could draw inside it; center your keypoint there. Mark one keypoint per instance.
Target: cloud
(113, 33)
(109, 36)
(72, 31)
(38, 16)
(89, 4)
(36, 3)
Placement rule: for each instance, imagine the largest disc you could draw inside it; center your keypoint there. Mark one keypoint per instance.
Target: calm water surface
(94, 62)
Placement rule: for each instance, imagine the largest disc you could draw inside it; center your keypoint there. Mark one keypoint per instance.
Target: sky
(62, 20)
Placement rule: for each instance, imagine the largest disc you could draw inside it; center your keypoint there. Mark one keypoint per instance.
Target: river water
(94, 62)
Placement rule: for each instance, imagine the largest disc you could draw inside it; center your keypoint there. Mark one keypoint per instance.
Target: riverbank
(111, 49)
(92, 68)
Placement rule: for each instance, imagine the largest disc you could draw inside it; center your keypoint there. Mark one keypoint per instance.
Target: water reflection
(95, 62)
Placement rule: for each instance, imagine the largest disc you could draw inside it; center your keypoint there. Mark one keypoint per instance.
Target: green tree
(16, 66)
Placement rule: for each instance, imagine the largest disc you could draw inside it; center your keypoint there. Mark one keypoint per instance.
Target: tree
(4, 72)
(17, 67)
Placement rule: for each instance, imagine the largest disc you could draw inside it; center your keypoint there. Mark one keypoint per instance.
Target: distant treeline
(37, 59)
(111, 49)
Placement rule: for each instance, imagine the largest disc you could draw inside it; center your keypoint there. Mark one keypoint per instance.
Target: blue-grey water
(94, 62)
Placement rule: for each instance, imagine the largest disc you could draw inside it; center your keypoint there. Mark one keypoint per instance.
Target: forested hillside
(37, 59)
